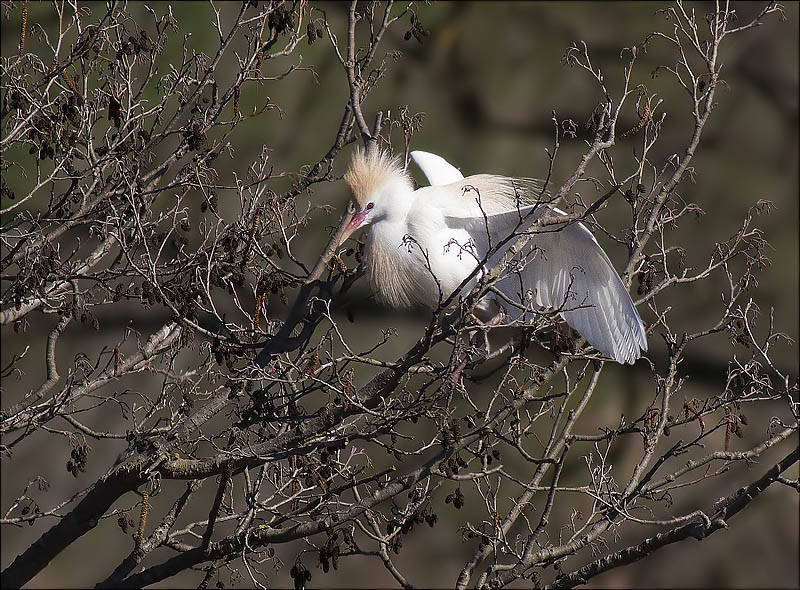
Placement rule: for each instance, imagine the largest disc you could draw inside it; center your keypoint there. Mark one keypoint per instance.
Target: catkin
(69, 81)
(23, 31)
(644, 117)
(143, 518)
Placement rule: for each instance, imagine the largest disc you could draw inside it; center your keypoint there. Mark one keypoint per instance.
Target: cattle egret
(422, 244)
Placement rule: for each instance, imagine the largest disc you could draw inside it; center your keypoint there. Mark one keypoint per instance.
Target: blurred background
(488, 78)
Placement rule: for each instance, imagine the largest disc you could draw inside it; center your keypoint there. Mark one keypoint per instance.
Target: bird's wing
(562, 267)
(566, 267)
(436, 169)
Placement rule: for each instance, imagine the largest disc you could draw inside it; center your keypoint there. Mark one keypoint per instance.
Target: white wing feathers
(563, 267)
(437, 170)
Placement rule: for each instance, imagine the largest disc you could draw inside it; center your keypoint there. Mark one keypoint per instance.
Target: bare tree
(304, 436)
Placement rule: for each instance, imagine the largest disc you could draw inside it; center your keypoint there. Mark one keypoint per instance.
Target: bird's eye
(370, 205)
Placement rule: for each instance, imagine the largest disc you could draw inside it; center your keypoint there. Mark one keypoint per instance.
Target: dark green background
(488, 78)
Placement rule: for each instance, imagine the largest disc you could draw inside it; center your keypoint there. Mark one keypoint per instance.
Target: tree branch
(722, 511)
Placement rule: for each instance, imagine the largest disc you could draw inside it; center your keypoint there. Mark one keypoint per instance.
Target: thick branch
(83, 518)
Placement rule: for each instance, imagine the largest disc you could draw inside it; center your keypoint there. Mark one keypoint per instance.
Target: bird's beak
(352, 219)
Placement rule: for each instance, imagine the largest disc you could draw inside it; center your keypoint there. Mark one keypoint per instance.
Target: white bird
(423, 243)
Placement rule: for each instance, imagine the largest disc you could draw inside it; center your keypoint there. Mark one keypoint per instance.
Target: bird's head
(379, 189)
